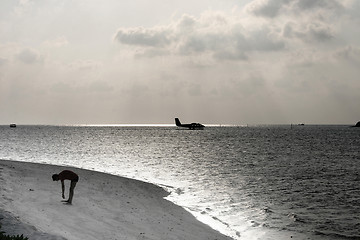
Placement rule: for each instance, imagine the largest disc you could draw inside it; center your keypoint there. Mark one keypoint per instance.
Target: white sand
(104, 207)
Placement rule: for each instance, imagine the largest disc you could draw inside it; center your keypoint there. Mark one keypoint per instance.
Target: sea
(248, 182)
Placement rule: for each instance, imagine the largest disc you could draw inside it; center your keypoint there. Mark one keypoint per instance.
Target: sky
(209, 61)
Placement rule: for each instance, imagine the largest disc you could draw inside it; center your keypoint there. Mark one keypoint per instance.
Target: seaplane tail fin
(177, 121)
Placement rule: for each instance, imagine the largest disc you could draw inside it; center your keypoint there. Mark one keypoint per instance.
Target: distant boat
(192, 126)
(13, 125)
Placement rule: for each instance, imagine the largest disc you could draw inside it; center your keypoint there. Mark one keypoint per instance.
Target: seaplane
(192, 126)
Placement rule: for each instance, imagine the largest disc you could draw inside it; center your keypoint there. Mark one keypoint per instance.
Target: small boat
(13, 125)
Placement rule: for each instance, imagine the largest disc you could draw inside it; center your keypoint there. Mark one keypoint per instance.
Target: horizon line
(173, 125)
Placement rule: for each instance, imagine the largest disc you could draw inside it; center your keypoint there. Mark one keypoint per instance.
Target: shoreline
(105, 206)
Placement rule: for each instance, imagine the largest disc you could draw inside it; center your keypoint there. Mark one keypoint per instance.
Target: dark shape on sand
(192, 126)
(13, 125)
(67, 175)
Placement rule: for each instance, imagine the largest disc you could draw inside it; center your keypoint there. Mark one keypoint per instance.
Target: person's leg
(71, 192)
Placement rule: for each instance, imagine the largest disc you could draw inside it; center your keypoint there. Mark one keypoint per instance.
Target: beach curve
(104, 207)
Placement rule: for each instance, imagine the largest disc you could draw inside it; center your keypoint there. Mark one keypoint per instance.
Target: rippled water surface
(263, 182)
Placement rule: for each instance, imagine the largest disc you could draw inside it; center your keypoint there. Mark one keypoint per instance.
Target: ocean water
(257, 182)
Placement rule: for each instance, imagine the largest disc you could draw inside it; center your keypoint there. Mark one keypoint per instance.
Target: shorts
(75, 179)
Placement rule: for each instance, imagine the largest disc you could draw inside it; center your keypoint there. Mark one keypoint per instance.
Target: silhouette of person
(67, 175)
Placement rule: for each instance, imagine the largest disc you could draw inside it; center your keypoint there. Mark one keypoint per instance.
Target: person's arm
(63, 188)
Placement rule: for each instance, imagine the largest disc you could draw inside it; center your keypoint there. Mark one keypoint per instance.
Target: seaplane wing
(192, 126)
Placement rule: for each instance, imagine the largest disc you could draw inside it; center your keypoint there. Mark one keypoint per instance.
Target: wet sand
(104, 207)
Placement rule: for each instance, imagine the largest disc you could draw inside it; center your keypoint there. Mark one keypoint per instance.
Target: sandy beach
(104, 207)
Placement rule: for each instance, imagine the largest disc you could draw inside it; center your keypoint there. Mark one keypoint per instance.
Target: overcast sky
(209, 61)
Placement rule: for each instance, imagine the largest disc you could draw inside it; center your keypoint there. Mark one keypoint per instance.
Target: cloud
(275, 8)
(85, 65)
(320, 32)
(212, 34)
(3, 61)
(266, 8)
(263, 26)
(312, 4)
(57, 42)
(308, 21)
(156, 37)
(100, 87)
(310, 32)
(29, 56)
(23, 7)
(349, 53)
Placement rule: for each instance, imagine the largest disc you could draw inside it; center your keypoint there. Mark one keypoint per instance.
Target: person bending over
(67, 175)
